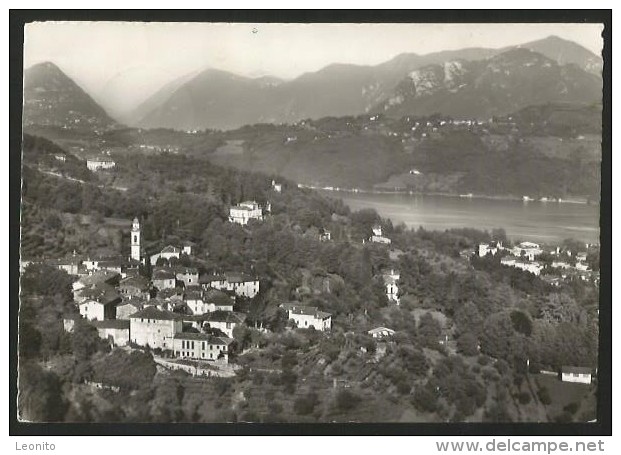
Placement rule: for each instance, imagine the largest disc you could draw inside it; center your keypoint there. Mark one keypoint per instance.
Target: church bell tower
(135, 240)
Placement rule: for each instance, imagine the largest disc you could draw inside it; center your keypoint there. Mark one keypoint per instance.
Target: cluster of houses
(524, 257)
(177, 310)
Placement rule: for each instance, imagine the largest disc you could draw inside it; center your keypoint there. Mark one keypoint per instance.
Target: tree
(40, 396)
(85, 340)
(521, 322)
(429, 330)
(468, 344)
(425, 399)
(346, 400)
(305, 404)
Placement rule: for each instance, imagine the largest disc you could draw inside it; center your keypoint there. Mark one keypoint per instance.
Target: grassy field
(566, 393)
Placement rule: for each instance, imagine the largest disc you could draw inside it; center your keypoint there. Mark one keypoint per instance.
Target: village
(188, 320)
(554, 264)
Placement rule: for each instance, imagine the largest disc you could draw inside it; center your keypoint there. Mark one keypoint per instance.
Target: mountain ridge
(53, 98)
(339, 89)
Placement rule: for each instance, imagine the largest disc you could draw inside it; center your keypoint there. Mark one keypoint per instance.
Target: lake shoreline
(573, 200)
(542, 222)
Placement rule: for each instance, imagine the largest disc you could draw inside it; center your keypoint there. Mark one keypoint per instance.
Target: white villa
(99, 163)
(576, 374)
(378, 237)
(528, 250)
(201, 346)
(308, 316)
(381, 332)
(244, 212)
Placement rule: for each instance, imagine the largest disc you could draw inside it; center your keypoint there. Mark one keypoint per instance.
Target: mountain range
(474, 82)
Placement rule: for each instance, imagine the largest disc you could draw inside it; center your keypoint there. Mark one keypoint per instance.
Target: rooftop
(380, 330)
(163, 275)
(135, 281)
(204, 337)
(153, 313)
(310, 311)
(217, 297)
(112, 324)
(171, 249)
(576, 370)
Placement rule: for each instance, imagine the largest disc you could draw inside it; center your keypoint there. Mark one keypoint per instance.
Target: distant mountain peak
(53, 98)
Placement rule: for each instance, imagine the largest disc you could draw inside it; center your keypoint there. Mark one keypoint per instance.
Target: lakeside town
(188, 320)
(185, 264)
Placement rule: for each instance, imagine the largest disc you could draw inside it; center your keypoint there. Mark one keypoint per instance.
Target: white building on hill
(378, 237)
(244, 212)
(576, 374)
(490, 248)
(528, 250)
(392, 289)
(308, 316)
(154, 328)
(241, 284)
(201, 346)
(100, 163)
(522, 264)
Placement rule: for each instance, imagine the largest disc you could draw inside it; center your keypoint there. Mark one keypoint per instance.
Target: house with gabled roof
(95, 279)
(169, 252)
(135, 286)
(127, 307)
(101, 307)
(69, 264)
(164, 279)
(186, 275)
(200, 301)
(306, 317)
(201, 346)
(154, 328)
(225, 321)
(116, 331)
(241, 284)
(381, 332)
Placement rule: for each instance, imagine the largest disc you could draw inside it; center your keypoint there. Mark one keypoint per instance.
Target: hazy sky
(121, 63)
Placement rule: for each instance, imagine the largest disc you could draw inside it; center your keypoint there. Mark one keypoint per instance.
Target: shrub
(544, 396)
(304, 405)
(403, 387)
(571, 408)
(524, 397)
(346, 400)
(425, 399)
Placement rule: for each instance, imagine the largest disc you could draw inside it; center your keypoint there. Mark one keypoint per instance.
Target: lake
(545, 222)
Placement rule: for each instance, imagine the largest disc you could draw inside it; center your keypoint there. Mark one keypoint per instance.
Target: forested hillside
(464, 329)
